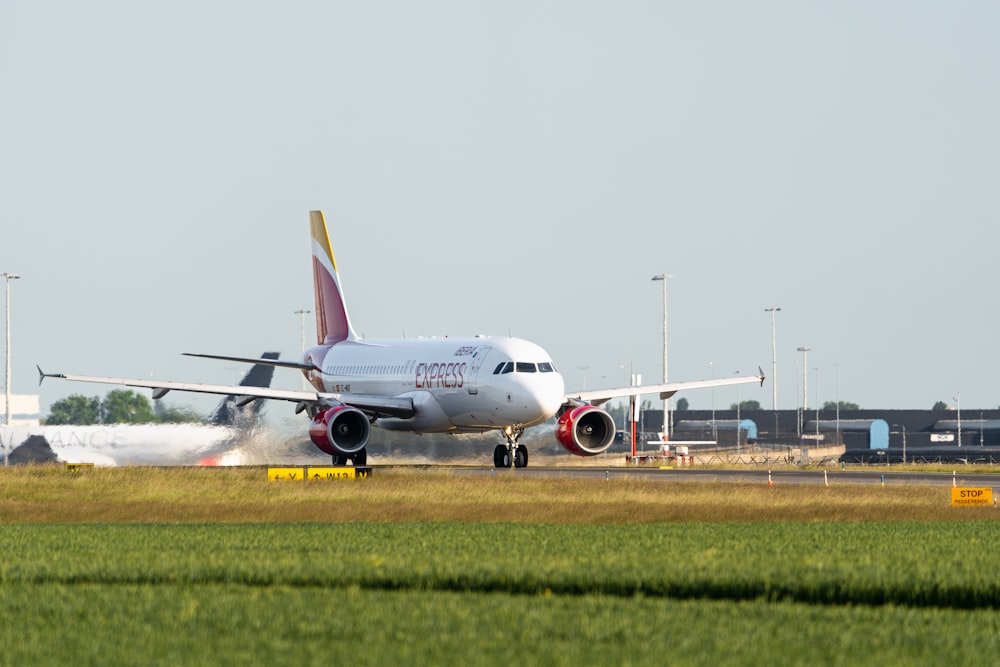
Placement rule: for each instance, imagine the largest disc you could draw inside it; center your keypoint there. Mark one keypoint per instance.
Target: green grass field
(124, 567)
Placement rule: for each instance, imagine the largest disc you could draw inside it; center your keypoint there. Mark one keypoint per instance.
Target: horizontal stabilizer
(298, 365)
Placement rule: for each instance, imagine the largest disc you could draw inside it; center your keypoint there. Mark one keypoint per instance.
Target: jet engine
(340, 430)
(585, 430)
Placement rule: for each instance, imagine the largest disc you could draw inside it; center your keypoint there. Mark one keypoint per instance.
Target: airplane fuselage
(128, 444)
(456, 384)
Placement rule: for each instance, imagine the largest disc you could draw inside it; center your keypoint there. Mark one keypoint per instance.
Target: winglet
(42, 375)
(760, 372)
(332, 322)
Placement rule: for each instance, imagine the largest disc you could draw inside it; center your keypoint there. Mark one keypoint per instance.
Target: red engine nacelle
(340, 430)
(585, 431)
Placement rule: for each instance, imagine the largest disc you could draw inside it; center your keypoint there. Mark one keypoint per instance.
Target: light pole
(805, 386)
(837, 398)
(302, 312)
(6, 397)
(739, 429)
(7, 278)
(774, 359)
(711, 373)
(904, 443)
(625, 400)
(958, 402)
(774, 368)
(816, 390)
(663, 277)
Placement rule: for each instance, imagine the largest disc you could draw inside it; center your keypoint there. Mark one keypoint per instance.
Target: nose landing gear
(511, 453)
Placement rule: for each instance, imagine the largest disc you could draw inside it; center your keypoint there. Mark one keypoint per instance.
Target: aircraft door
(477, 362)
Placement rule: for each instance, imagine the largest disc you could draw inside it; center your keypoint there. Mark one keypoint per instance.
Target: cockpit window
(505, 367)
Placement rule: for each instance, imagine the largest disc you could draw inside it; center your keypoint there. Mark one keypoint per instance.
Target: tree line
(119, 406)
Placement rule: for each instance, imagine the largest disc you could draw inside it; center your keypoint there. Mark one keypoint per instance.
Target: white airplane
(121, 444)
(145, 444)
(424, 385)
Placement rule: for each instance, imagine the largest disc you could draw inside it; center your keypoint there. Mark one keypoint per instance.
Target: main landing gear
(357, 459)
(512, 452)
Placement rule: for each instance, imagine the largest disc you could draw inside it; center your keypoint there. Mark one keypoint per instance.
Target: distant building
(25, 409)
(866, 435)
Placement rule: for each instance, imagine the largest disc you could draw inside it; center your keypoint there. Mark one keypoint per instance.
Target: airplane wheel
(501, 457)
(520, 456)
(361, 458)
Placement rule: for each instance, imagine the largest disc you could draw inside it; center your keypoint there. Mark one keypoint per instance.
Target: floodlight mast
(774, 359)
(805, 377)
(774, 368)
(666, 402)
(6, 396)
(7, 278)
(302, 312)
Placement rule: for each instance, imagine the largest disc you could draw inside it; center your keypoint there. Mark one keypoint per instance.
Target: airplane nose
(542, 397)
(551, 402)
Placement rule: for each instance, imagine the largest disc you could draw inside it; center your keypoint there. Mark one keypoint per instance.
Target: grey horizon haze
(511, 168)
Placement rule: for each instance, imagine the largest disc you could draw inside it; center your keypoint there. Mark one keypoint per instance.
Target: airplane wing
(598, 396)
(389, 406)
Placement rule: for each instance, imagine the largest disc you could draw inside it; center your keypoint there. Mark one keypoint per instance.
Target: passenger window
(525, 367)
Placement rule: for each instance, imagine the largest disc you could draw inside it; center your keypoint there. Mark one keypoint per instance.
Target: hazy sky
(514, 168)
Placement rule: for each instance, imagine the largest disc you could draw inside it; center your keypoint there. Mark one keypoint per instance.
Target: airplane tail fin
(332, 323)
(229, 411)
